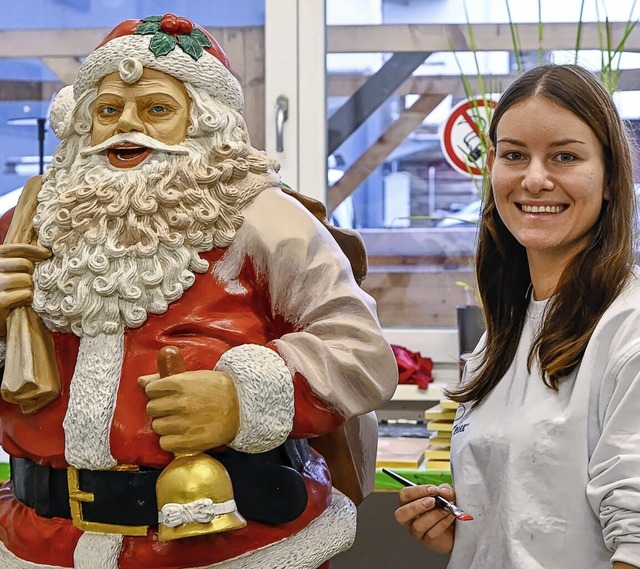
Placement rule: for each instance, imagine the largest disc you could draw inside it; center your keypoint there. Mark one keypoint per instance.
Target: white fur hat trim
(207, 72)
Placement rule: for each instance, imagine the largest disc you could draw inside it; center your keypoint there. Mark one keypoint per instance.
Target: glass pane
(390, 174)
(72, 29)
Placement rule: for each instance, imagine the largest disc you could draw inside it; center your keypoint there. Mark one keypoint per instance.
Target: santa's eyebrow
(157, 96)
(108, 96)
(119, 96)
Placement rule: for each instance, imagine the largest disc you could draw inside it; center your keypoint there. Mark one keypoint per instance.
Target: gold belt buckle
(77, 496)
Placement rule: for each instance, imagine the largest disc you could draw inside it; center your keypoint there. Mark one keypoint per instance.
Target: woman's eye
(565, 157)
(512, 155)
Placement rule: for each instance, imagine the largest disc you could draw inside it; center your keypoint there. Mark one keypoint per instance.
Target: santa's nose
(129, 119)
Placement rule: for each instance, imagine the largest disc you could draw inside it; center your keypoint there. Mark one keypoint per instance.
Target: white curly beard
(126, 243)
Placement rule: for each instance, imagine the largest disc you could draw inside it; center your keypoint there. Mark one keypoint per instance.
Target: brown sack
(30, 370)
(350, 452)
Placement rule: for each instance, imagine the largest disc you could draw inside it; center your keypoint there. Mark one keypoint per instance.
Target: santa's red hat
(170, 44)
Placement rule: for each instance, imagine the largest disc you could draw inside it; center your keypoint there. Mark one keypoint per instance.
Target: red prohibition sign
(460, 137)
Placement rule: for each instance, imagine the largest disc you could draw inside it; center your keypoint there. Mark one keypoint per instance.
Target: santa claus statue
(157, 224)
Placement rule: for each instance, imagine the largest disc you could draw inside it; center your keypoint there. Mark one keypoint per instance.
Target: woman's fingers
(428, 524)
(412, 493)
(446, 491)
(440, 526)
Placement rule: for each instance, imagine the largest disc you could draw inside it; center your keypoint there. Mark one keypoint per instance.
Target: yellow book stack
(400, 452)
(440, 420)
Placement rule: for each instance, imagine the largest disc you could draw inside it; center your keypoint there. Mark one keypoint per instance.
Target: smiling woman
(550, 394)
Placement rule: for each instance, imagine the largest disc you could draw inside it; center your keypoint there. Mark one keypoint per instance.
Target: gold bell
(195, 497)
(194, 492)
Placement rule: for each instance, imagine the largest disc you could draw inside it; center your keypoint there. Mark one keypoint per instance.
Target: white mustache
(136, 138)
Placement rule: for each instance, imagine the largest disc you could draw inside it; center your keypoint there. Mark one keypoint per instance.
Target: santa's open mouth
(127, 155)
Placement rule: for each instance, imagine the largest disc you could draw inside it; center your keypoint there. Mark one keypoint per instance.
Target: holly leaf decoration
(147, 27)
(153, 19)
(198, 35)
(190, 46)
(161, 44)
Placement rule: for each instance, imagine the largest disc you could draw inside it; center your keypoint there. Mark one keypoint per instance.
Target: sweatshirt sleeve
(334, 363)
(614, 467)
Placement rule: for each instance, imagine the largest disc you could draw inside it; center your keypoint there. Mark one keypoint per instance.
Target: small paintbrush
(440, 501)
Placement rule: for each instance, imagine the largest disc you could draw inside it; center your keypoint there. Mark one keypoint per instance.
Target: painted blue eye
(158, 109)
(107, 111)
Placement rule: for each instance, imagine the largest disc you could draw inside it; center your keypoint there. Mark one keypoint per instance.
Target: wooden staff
(30, 370)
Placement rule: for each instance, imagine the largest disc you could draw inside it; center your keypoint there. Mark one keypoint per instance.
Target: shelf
(412, 393)
(443, 377)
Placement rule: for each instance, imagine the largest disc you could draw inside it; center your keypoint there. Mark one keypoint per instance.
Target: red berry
(184, 26)
(170, 23)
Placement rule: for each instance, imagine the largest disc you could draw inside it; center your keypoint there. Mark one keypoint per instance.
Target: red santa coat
(283, 284)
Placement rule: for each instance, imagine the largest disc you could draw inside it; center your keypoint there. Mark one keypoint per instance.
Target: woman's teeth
(542, 208)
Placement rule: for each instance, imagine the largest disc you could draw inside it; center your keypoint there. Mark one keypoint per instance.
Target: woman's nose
(537, 178)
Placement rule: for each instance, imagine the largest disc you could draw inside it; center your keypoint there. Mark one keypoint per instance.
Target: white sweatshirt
(553, 478)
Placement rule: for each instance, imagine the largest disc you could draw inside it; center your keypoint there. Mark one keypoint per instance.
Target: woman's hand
(431, 526)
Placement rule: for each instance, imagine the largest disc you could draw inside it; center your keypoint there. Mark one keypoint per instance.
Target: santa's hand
(16, 286)
(192, 410)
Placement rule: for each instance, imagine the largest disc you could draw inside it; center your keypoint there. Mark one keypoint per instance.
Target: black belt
(120, 497)
(268, 487)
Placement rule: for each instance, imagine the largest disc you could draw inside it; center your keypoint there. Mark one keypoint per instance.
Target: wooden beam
(66, 68)
(78, 42)
(50, 43)
(488, 37)
(28, 90)
(341, 85)
(368, 98)
(375, 155)
(253, 85)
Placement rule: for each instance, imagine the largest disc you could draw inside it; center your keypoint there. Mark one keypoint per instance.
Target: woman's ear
(491, 155)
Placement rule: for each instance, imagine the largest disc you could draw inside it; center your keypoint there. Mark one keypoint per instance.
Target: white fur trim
(97, 551)
(59, 112)
(265, 396)
(207, 73)
(92, 400)
(331, 533)
(3, 350)
(199, 511)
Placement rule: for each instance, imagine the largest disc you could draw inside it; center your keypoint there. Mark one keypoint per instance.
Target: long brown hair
(590, 281)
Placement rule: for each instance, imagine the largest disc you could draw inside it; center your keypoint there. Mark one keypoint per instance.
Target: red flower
(412, 367)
